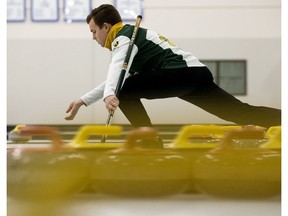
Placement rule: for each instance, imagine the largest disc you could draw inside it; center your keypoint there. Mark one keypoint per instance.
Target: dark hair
(104, 13)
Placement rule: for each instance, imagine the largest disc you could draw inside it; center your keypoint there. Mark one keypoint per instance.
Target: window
(230, 75)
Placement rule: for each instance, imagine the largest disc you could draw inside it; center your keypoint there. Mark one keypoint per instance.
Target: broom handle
(123, 72)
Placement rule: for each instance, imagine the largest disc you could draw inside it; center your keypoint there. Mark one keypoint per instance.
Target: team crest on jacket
(116, 44)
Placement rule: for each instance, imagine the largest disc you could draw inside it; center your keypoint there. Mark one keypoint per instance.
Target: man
(159, 69)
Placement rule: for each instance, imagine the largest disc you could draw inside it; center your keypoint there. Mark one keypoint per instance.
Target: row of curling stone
(128, 170)
(233, 162)
(133, 163)
(63, 170)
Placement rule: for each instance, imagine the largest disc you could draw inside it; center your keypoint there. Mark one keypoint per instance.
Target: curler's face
(99, 34)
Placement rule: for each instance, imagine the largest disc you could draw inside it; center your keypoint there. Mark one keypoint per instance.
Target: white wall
(50, 64)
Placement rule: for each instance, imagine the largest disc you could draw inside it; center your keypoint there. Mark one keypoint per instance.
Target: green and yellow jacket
(151, 51)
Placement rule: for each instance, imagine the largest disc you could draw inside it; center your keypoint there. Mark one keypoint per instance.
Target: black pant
(194, 85)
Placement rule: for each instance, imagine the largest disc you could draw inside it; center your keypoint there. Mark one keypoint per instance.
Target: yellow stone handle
(83, 134)
(213, 131)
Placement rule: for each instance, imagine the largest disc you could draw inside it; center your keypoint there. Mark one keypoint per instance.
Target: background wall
(51, 64)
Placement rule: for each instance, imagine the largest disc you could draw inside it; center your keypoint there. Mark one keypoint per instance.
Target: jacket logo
(116, 44)
(165, 39)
